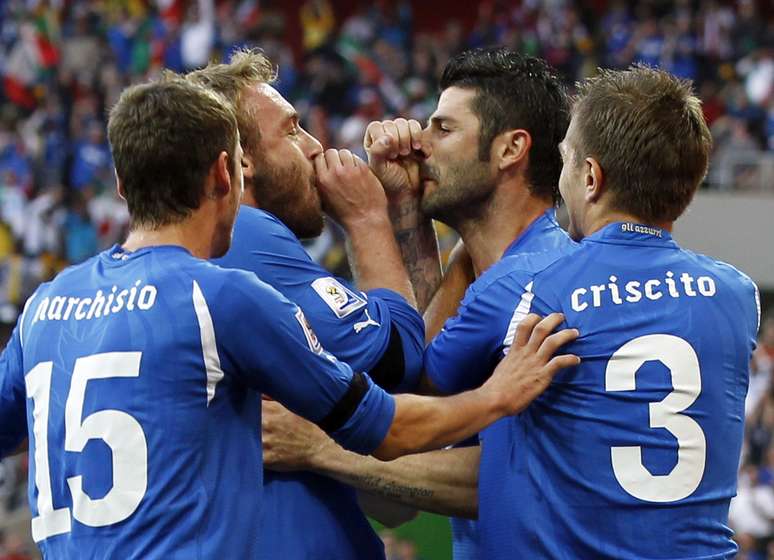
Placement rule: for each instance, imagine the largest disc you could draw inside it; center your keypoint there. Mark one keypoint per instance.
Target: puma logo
(359, 326)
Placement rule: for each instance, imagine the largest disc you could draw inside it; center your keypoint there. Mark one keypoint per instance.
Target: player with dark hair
(373, 327)
(137, 375)
(488, 165)
(634, 453)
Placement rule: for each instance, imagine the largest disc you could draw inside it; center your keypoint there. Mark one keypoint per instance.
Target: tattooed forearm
(419, 249)
(389, 489)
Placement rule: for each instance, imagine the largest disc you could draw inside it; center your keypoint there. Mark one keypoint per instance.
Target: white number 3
(122, 433)
(677, 355)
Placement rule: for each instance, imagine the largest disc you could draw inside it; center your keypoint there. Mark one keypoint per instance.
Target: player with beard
(374, 327)
(487, 164)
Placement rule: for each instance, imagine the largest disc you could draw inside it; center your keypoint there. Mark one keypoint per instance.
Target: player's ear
(594, 179)
(511, 147)
(248, 166)
(221, 174)
(119, 185)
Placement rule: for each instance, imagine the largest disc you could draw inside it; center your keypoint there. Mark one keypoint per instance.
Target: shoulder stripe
(209, 346)
(522, 310)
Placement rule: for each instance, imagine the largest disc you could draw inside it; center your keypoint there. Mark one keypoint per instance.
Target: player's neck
(186, 234)
(488, 234)
(596, 220)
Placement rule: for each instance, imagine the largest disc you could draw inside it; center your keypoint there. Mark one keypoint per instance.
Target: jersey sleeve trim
(347, 405)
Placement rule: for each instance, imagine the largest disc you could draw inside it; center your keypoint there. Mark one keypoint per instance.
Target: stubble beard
(460, 195)
(291, 197)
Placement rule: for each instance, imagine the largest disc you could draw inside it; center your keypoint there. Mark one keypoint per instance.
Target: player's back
(132, 457)
(634, 453)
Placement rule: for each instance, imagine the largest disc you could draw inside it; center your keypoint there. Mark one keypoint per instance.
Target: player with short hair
(634, 453)
(667, 340)
(374, 327)
(137, 375)
(488, 165)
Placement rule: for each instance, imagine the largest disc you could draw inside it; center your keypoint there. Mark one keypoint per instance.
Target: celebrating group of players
(137, 376)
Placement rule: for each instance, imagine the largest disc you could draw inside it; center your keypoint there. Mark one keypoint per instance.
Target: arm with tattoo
(443, 481)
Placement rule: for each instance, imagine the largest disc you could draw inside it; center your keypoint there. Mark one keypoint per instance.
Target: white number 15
(120, 431)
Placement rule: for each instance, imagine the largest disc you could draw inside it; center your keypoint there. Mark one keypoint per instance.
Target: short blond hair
(247, 67)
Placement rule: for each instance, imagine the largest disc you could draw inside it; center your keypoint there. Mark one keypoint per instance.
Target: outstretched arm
(443, 481)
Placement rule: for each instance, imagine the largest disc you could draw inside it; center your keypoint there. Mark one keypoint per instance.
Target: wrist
(367, 220)
(325, 458)
(494, 403)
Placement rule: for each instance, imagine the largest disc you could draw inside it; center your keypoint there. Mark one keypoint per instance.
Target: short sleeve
(470, 345)
(354, 326)
(271, 347)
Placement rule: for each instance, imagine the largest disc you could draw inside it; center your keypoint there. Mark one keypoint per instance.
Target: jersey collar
(630, 233)
(541, 225)
(117, 254)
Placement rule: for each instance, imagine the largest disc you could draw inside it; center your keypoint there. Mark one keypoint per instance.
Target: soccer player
(137, 375)
(634, 453)
(374, 327)
(488, 165)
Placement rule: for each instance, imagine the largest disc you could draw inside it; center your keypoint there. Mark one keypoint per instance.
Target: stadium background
(344, 63)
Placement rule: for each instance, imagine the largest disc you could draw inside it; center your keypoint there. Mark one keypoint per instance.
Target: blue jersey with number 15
(633, 454)
(141, 376)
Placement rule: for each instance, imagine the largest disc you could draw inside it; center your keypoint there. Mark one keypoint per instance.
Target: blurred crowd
(63, 64)
(752, 511)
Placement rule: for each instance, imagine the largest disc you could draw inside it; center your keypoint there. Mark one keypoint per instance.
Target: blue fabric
(202, 498)
(306, 515)
(468, 348)
(554, 482)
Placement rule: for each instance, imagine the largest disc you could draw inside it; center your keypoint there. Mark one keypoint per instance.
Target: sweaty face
(283, 180)
(454, 179)
(571, 183)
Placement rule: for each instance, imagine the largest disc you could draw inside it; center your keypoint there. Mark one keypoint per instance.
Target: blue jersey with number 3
(470, 344)
(633, 454)
(141, 376)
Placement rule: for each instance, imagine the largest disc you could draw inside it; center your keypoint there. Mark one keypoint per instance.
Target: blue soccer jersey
(633, 454)
(141, 374)
(306, 515)
(468, 348)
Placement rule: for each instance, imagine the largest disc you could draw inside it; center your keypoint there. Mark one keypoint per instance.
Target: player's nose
(312, 145)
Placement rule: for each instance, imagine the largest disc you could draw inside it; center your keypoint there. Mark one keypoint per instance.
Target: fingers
(543, 330)
(415, 130)
(270, 409)
(332, 159)
(560, 362)
(393, 139)
(553, 343)
(346, 158)
(320, 165)
(524, 330)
